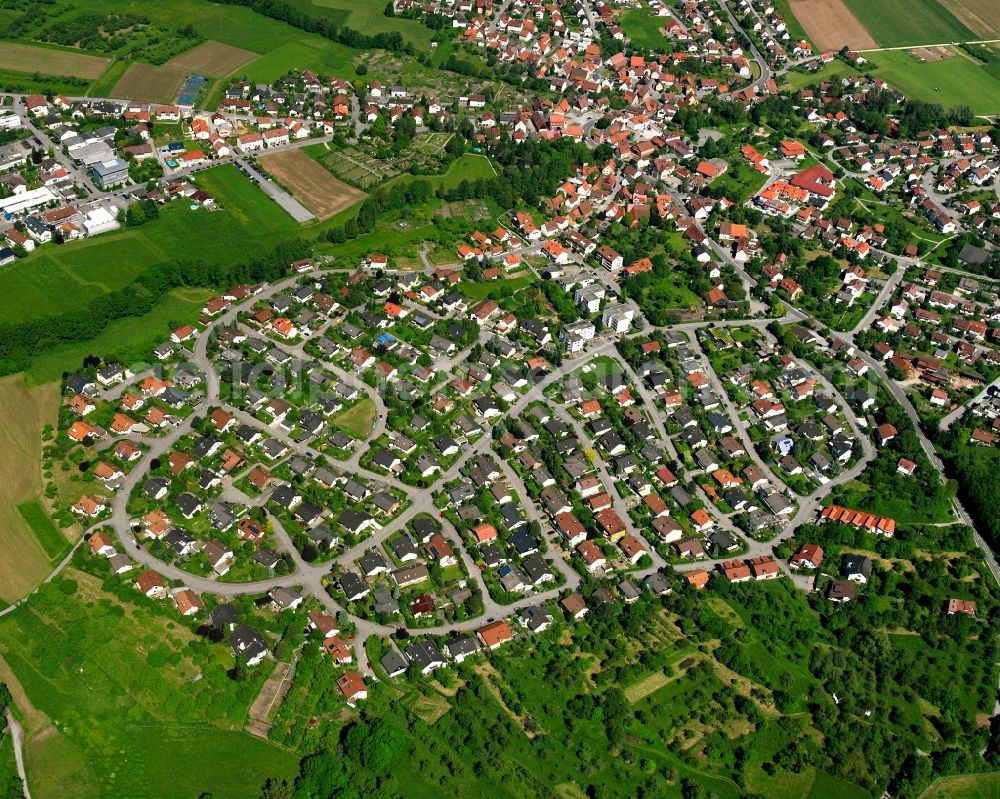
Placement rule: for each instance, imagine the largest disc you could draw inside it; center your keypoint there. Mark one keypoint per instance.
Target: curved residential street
(313, 578)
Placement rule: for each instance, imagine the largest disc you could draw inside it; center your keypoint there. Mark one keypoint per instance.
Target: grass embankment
(30, 541)
(112, 705)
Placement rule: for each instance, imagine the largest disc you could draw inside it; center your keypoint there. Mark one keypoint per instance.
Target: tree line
(325, 27)
(20, 341)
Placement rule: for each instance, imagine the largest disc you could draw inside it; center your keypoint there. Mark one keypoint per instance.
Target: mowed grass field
(245, 204)
(53, 542)
(114, 709)
(951, 81)
(368, 17)
(212, 59)
(149, 83)
(894, 23)
(54, 279)
(357, 420)
(48, 61)
(973, 786)
(322, 56)
(643, 28)
(469, 167)
(24, 412)
(310, 183)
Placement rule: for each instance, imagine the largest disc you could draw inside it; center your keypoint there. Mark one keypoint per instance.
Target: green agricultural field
(37, 83)
(105, 83)
(25, 412)
(233, 25)
(827, 785)
(50, 60)
(53, 542)
(951, 81)
(54, 279)
(893, 23)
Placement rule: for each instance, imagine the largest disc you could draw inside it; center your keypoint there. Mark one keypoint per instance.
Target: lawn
(246, 204)
(832, 71)
(357, 420)
(643, 29)
(906, 506)
(664, 295)
(116, 680)
(893, 23)
(741, 182)
(23, 413)
(320, 56)
(950, 81)
(53, 542)
(469, 167)
(480, 291)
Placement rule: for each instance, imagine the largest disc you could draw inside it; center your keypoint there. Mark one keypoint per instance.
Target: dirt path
(37, 721)
(269, 698)
(15, 734)
(485, 670)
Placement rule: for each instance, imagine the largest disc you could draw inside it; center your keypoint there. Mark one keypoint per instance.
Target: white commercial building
(26, 201)
(99, 220)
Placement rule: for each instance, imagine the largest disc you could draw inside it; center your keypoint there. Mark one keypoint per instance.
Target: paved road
(947, 421)
(900, 396)
(313, 578)
(939, 44)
